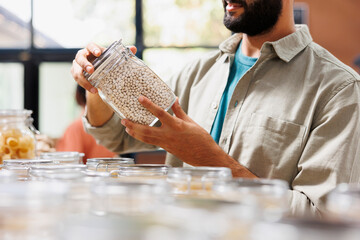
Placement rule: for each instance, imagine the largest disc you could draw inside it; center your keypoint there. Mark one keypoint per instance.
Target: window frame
(32, 57)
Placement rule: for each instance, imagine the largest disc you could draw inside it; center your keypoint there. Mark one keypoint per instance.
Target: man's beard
(258, 17)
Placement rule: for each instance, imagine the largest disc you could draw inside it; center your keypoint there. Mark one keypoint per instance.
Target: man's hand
(184, 138)
(82, 62)
(98, 112)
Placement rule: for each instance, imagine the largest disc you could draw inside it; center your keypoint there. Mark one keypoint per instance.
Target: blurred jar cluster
(55, 196)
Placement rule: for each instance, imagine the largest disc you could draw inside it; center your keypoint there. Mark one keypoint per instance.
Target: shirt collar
(285, 48)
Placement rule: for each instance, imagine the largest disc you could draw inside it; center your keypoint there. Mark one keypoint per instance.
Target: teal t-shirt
(241, 64)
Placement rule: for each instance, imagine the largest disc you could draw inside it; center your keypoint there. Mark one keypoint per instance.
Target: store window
(75, 23)
(57, 98)
(11, 85)
(40, 39)
(14, 23)
(184, 23)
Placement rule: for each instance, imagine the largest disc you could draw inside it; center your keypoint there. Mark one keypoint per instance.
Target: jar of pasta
(17, 138)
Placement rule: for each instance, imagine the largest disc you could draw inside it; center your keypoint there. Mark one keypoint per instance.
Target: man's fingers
(81, 59)
(133, 49)
(141, 132)
(95, 49)
(157, 111)
(77, 73)
(179, 112)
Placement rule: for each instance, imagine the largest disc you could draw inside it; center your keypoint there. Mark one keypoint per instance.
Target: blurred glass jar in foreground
(61, 172)
(197, 180)
(300, 229)
(63, 157)
(21, 167)
(31, 210)
(131, 198)
(107, 164)
(121, 78)
(141, 172)
(271, 195)
(17, 138)
(208, 218)
(93, 227)
(344, 202)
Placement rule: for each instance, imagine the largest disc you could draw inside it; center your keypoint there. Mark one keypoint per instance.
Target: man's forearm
(216, 157)
(98, 112)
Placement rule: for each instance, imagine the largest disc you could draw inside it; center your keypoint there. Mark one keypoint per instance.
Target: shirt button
(214, 105)
(236, 103)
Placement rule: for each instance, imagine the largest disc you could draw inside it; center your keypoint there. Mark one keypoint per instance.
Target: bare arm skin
(184, 138)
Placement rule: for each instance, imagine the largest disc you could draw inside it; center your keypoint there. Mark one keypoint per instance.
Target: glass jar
(31, 210)
(17, 138)
(63, 157)
(21, 167)
(344, 202)
(141, 172)
(121, 78)
(271, 195)
(63, 172)
(197, 180)
(107, 164)
(130, 198)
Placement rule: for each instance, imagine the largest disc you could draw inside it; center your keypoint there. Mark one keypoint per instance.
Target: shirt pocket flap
(276, 125)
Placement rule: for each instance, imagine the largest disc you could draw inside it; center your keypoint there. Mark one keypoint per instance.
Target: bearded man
(270, 103)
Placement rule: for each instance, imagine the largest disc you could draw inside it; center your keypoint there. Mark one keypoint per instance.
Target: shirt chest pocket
(273, 146)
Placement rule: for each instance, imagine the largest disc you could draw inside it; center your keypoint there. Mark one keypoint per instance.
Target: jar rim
(61, 155)
(110, 160)
(201, 171)
(15, 112)
(26, 161)
(103, 57)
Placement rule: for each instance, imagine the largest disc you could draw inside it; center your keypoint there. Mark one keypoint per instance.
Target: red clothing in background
(76, 139)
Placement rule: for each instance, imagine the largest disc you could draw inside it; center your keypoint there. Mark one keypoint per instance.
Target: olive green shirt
(293, 116)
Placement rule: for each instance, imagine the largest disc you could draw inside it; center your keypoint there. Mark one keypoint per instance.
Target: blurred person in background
(75, 139)
(270, 103)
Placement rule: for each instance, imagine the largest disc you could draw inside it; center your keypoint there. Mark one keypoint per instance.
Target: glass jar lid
(15, 113)
(25, 162)
(20, 167)
(143, 170)
(107, 164)
(205, 173)
(63, 157)
(58, 171)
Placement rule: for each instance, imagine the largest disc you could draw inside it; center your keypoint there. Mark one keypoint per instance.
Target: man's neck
(251, 45)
